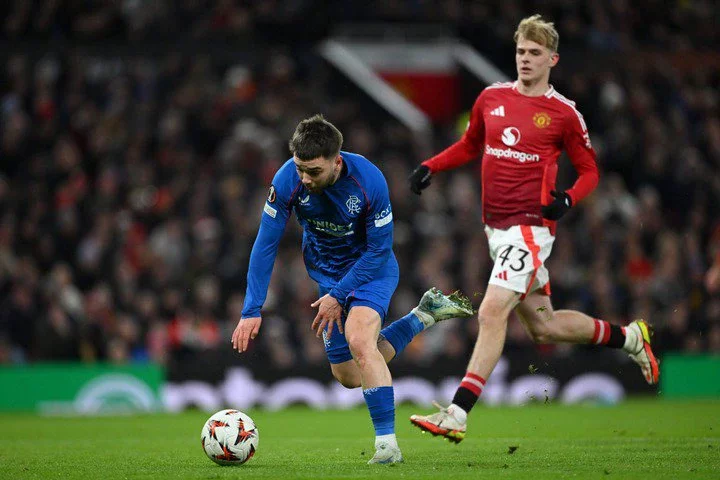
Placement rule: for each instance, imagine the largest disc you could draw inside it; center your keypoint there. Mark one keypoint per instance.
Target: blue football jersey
(347, 230)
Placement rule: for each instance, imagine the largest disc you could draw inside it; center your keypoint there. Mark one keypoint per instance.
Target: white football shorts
(519, 254)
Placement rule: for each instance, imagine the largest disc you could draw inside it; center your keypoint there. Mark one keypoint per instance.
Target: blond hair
(539, 31)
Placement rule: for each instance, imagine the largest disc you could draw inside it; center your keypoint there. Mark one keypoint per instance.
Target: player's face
(318, 173)
(533, 61)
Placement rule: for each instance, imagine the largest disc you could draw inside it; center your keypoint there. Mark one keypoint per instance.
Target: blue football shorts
(375, 294)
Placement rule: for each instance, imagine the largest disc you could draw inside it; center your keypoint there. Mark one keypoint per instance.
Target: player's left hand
(329, 313)
(558, 207)
(420, 179)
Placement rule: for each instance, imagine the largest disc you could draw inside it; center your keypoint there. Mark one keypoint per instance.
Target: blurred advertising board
(215, 380)
(685, 375)
(81, 389)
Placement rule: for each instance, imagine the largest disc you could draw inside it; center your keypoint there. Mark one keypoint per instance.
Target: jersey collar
(548, 94)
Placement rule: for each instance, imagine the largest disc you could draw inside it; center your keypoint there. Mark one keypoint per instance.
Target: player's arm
(457, 154)
(262, 259)
(576, 141)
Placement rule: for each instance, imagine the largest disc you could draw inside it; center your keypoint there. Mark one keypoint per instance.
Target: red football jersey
(521, 138)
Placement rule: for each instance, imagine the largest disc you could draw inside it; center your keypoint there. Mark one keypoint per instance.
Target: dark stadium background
(138, 140)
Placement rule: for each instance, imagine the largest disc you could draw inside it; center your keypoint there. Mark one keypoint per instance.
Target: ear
(554, 59)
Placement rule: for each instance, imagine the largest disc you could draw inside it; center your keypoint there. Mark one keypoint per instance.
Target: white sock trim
(457, 412)
(631, 340)
(425, 318)
(389, 438)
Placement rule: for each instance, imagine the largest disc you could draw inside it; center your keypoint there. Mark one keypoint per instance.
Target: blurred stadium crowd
(679, 24)
(131, 186)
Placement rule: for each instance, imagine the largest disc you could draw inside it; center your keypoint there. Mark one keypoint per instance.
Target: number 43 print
(518, 262)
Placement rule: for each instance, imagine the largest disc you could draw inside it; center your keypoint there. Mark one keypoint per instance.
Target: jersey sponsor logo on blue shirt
(331, 228)
(384, 217)
(383, 221)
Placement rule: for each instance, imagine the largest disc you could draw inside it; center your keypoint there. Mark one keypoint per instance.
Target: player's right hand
(558, 207)
(246, 330)
(420, 179)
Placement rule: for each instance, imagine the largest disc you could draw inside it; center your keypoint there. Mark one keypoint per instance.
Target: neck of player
(533, 88)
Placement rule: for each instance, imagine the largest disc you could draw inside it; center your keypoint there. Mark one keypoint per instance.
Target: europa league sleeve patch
(271, 194)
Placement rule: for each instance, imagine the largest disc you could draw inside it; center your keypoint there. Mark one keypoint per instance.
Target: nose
(305, 179)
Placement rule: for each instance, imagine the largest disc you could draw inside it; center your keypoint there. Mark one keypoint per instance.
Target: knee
(361, 349)
(541, 334)
(347, 381)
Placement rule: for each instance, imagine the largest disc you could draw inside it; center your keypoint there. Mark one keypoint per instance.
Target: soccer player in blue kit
(342, 202)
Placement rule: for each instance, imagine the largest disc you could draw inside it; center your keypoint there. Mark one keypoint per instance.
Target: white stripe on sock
(477, 383)
(389, 438)
(601, 334)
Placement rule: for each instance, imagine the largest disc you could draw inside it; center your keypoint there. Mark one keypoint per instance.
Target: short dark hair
(315, 137)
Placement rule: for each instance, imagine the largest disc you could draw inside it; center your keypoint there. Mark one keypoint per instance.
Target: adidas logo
(502, 275)
(499, 111)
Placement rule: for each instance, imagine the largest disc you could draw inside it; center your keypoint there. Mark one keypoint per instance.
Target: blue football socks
(401, 332)
(381, 404)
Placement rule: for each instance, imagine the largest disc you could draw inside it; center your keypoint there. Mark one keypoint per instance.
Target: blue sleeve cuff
(255, 312)
(337, 295)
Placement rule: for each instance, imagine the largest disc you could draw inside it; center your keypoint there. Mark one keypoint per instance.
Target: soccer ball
(229, 437)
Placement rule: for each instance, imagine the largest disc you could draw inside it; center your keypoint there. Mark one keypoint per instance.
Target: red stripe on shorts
(529, 239)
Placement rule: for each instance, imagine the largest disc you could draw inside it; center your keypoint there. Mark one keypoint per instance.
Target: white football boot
(386, 454)
(637, 345)
(442, 423)
(435, 306)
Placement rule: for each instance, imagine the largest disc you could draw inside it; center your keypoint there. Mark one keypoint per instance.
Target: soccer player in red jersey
(520, 128)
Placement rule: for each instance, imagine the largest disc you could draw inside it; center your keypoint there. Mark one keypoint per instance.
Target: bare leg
(450, 422)
(569, 326)
(547, 326)
(348, 373)
(361, 330)
(492, 316)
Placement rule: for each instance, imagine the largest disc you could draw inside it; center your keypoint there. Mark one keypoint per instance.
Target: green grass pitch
(644, 439)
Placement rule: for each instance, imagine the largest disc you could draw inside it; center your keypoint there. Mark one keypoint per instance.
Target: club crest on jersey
(510, 136)
(353, 205)
(271, 194)
(541, 119)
